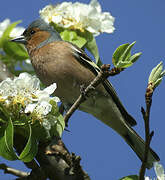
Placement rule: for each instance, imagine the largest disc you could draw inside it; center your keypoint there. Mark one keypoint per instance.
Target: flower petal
(50, 89)
(30, 108)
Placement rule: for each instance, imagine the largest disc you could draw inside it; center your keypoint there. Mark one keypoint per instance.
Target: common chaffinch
(55, 60)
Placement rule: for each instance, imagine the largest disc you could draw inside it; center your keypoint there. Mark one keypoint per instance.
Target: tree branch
(58, 164)
(15, 172)
(102, 75)
(148, 135)
(55, 161)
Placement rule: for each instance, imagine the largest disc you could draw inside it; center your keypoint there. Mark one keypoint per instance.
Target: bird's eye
(32, 32)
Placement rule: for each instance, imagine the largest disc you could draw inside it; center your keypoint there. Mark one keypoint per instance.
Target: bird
(61, 62)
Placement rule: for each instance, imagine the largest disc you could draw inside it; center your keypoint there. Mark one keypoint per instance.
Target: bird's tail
(138, 146)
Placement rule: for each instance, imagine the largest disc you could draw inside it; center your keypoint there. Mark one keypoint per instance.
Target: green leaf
(124, 64)
(15, 50)
(135, 57)
(93, 49)
(55, 108)
(118, 53)
(12, 49)
(39, 132)
(7, 32)
(156, 75)
(66, 35)
(60, 125)
(158, 82)
(58, 28)
(5, 114)
(80, 41)
(127, 53)
(73, 37)
(122, 56)
(30, 149)
(6, 143)
(132, 177)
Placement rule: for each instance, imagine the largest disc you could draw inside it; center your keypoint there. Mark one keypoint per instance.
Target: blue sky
(104, 153)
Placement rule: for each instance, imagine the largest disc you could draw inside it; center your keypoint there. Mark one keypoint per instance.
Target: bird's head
(38, 34)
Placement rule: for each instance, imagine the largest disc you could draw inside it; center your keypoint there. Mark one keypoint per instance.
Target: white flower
(14, 33)
(17, 31)
(147, 178)
(79, 16)
(28, 61)
(159, 170)
(25, 90)
(3, 26)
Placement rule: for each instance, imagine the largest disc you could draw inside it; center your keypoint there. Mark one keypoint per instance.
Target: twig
(114, 71)
(9, 170)
(148, 135)
(102, 75)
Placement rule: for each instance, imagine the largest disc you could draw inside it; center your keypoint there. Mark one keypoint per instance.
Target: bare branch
(15, 172)
(102, 75)
(55, 161)
(148, 135)
(114, 71)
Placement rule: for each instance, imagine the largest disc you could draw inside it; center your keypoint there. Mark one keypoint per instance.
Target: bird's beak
(21, 39)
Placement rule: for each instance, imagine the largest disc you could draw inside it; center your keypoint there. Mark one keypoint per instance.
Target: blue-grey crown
(42, 25)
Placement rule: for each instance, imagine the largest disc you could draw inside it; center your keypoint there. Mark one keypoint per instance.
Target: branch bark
(102, 75)
(15, 172)
(148, 135)
(55, 161)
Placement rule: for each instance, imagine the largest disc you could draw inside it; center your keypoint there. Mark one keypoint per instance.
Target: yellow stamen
(2, 99)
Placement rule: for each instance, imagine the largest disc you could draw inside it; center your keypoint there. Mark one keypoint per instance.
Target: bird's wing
(82, 57)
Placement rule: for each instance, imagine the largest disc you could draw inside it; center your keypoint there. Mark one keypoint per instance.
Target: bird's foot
(86, 94)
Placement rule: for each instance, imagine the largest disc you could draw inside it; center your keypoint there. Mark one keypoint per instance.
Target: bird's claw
(84, 92)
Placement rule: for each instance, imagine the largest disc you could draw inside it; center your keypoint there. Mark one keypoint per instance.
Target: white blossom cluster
(25, 90)
(79, 16)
